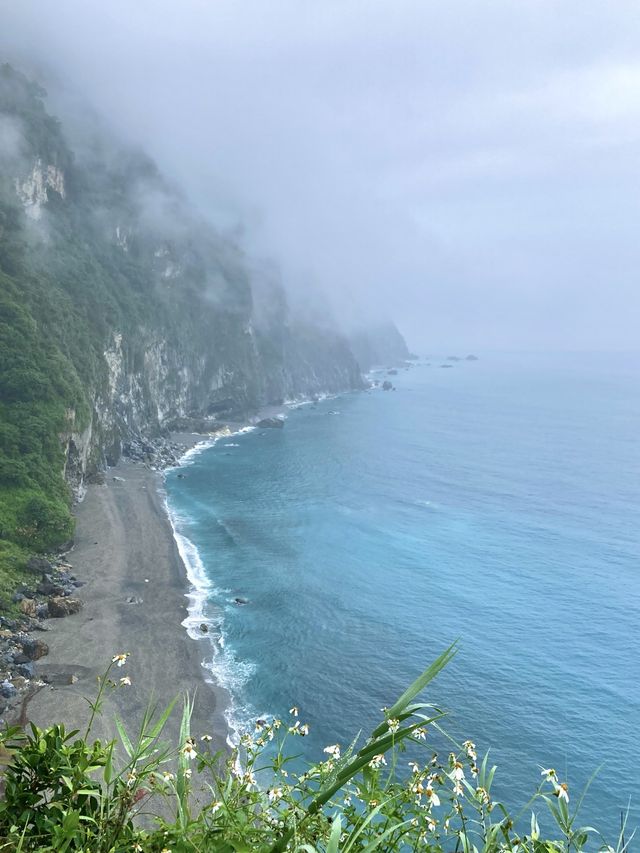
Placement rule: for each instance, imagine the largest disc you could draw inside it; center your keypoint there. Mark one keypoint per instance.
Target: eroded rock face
(33, 190)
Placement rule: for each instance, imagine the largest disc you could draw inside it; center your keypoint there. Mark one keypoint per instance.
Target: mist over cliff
(123, 313)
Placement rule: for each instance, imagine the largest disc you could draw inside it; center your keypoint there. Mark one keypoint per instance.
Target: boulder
(386, 385)
(271, 423)
(34, 649)
(48, 586)
(7, 690)
(28, 606)
(60, 606)
(204, 628)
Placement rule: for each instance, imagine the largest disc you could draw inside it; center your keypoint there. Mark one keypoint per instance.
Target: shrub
(44, 523)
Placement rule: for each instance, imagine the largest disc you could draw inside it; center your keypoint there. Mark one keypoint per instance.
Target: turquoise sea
(497, 502)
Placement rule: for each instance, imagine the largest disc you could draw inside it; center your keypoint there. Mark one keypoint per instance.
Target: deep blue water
(497, 502)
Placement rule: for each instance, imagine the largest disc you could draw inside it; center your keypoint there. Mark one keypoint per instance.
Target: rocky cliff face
(151, 312)
(381, 346)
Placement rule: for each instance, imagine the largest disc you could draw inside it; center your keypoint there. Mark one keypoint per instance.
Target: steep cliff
(121, 313)
(381, 345)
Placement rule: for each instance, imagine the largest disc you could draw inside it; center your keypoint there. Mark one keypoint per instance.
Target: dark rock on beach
(48, 586)
(60, 607)
(34, 649)
(7, 690)
(386, 385)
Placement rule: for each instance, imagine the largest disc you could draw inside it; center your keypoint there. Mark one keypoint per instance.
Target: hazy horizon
(470, 171)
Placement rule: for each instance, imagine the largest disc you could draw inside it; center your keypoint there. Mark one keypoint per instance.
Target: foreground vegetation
(66, 792)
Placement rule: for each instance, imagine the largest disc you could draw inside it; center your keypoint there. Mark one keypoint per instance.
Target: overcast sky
(471, 168)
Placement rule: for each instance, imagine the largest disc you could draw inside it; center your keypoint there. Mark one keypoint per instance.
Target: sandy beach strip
(134, 593)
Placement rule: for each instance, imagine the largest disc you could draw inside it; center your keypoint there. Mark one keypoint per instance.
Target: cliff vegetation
(122, 314)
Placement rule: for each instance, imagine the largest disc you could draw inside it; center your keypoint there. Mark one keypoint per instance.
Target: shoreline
(135, 592)
(139, 596)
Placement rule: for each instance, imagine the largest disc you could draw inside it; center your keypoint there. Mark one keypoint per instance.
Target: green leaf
(334, 839)
(421, 682)
(124, 737)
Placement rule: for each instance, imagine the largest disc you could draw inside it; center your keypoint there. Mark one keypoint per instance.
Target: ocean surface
(498, 503)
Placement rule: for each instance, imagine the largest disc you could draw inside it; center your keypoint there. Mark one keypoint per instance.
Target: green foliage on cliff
(38, 386)
(120, 308)
(64, 288)
(65, 792)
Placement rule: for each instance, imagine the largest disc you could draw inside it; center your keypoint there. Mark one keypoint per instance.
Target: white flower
(457, 772)
(393, 724)
(334, 750)
(189, 749)
(377, 761)
(420, 733)
(483, 795)
(434, 799)
(215, 807)
(470, 749)
(120, 659)
(415, 768)
(188, 773)
(457, 789)
(131, 779)
(274, 794)
(304, 729)
(549, 774)
(562, 792)
(294, 711)
(206, 738)
(125, 681)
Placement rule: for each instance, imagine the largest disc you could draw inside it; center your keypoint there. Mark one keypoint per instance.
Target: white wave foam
(222, 666)
(189, 455)
(231, 444)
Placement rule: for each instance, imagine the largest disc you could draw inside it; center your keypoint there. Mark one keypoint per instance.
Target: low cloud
(470, 169)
